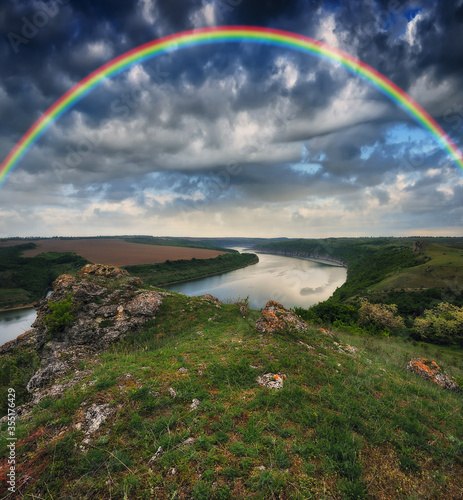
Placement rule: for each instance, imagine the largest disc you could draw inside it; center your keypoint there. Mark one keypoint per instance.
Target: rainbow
(219, 35)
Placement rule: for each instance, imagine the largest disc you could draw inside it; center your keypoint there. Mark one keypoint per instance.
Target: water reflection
(13, 323)
(291, 281)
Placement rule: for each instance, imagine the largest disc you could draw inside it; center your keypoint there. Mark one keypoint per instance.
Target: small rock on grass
(271, 380)
(195, 404)
(158, 454)
(188, 442)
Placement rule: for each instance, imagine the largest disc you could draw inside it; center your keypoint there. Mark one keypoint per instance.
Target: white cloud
(204, 16)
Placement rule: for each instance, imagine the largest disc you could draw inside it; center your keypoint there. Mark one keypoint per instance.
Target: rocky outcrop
(419, 246)
(275, 318)
(105, 303)
(430, 370)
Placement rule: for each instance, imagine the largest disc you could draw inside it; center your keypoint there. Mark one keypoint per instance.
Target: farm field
(118, 252)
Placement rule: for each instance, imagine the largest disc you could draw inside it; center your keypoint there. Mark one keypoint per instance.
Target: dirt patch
(118, 252)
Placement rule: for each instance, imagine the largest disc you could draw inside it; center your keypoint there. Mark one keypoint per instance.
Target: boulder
(275, 317)
(430, 370)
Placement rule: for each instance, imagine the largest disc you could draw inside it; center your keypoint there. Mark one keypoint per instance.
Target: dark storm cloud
(270, 12)
(250, 103)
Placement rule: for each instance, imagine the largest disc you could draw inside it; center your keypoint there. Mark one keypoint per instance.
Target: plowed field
(119, 252)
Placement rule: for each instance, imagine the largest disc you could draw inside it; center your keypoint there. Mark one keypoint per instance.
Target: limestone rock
(210, 297)
(271, 380)
(44, 375)
(158, 454)
(430, 370)
(95, 416)
(106, 304)
(276, 317)
(105, 271)
(195, 404)
(188, 442)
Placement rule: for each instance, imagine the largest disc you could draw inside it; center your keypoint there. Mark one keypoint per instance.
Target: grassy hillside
(443, 269)
(343, 426)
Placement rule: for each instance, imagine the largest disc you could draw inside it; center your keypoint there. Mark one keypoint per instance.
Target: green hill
(443, 269)
(174, 410)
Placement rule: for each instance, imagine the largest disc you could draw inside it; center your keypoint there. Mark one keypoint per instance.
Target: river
(291, 281)
(13, 323)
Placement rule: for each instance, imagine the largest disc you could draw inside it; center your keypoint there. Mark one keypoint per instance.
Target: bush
(60, 315)
(443, 324)
(382, 315)
(329, 312)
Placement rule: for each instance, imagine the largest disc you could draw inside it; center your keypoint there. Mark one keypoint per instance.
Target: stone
(195, 404)
(430, 370)
(275, 317)
(107, 304)
(344, 348)
(95, 416)
(188, 442)
(210, 297)
(271, 380)
(158, 454)
(106, 271)
(182, 370)
(44, 375)
(172, 392)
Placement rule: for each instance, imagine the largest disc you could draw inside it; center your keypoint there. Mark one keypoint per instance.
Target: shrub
(383, 315)
(329, 312)
(60, 315)
(443, 324)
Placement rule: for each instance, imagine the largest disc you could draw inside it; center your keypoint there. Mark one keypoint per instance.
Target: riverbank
(17, 308)
(329, 261)
(207, 275)
(187, 270)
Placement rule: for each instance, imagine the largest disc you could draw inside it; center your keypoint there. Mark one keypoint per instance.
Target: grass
(443, 270)
(342, 426)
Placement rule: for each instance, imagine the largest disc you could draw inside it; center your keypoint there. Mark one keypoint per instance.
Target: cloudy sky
(231, 139)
